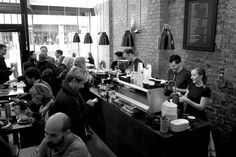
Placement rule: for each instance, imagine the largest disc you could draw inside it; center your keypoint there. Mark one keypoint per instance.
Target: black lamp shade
(76, 38)
(127, 40)
(166, 40)
(103, 40)
(88, 39)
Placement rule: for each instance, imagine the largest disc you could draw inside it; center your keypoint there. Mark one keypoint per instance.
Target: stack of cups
(140, 74)
(149, 67)
(169, 109)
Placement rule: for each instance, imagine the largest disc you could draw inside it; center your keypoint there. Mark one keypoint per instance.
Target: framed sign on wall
(200, 24)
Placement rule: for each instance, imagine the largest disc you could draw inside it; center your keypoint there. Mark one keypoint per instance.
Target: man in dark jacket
(70, 101)
(44, 49)
(5, 72)
(31, 62)
(134, 60)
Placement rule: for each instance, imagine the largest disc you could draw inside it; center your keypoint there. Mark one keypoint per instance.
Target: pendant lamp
(88, 39)
(76, 38)
(103, 40)
(166, 40)
(127, 40)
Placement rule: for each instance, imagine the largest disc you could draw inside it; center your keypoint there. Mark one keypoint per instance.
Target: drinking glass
(164, 124)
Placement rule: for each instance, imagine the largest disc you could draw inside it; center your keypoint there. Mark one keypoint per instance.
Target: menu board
(200, 24)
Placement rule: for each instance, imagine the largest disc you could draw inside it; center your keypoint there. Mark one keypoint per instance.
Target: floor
(98, 148)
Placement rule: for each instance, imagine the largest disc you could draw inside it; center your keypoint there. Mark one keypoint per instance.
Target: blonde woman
(43, 98)
(70, 101)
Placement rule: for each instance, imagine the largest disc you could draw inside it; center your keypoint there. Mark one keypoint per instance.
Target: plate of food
(23, 120)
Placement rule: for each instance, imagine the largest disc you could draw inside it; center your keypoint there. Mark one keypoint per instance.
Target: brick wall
(220, 64)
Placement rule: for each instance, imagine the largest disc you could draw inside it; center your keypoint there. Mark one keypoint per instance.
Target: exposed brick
(157, 12)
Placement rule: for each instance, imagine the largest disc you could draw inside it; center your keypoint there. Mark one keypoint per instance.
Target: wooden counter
(127, 136)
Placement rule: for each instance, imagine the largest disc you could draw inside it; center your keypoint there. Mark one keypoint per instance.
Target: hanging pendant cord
(103, 17)
(140, 4)
(127, 12)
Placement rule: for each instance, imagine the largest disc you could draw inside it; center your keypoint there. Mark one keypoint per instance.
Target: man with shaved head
(59, 141)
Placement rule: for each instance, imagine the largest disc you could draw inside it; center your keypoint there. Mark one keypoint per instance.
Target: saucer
(23, 122)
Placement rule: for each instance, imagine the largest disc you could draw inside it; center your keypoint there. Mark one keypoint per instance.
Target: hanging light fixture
(88, 39)
(76, 38)
(127, 40)
(137, 31)
(166, 40)
(103, 40)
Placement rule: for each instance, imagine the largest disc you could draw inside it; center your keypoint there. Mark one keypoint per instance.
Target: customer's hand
(28, 112)
(16, 100)
(92, 102)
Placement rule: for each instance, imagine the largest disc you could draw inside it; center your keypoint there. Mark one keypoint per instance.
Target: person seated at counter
(134, 60)
(42, 99)
(80, 62)
(90, 58)
(37, 113)
(119, 56)
(102, 65)
(32, 76)
(178, 74)
(59, 140)
(198, 94)
(31, 62)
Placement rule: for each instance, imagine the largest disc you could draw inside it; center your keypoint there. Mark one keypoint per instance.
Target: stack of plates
(179, 125)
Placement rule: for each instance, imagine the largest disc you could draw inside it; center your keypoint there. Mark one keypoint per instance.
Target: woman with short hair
(70, 101)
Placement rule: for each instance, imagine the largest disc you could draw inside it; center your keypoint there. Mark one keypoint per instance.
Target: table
(26, 152)
(15, 129)
(9, 92)
(128, 136)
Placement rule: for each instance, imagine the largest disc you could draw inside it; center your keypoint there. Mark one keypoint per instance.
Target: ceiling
(67, 3)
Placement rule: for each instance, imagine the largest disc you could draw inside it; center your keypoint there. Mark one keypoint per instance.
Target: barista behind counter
(119, 56)
(129, 55)
(179, 74)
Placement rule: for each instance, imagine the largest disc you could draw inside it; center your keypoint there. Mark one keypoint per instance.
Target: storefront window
(12, 58)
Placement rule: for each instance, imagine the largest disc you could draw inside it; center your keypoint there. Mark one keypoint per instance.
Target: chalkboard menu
(200, 24)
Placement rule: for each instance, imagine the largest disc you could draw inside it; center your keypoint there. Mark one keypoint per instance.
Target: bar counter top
(129, 136)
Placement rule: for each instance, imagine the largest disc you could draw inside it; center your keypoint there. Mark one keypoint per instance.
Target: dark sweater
(71, 103)
(5, 72)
